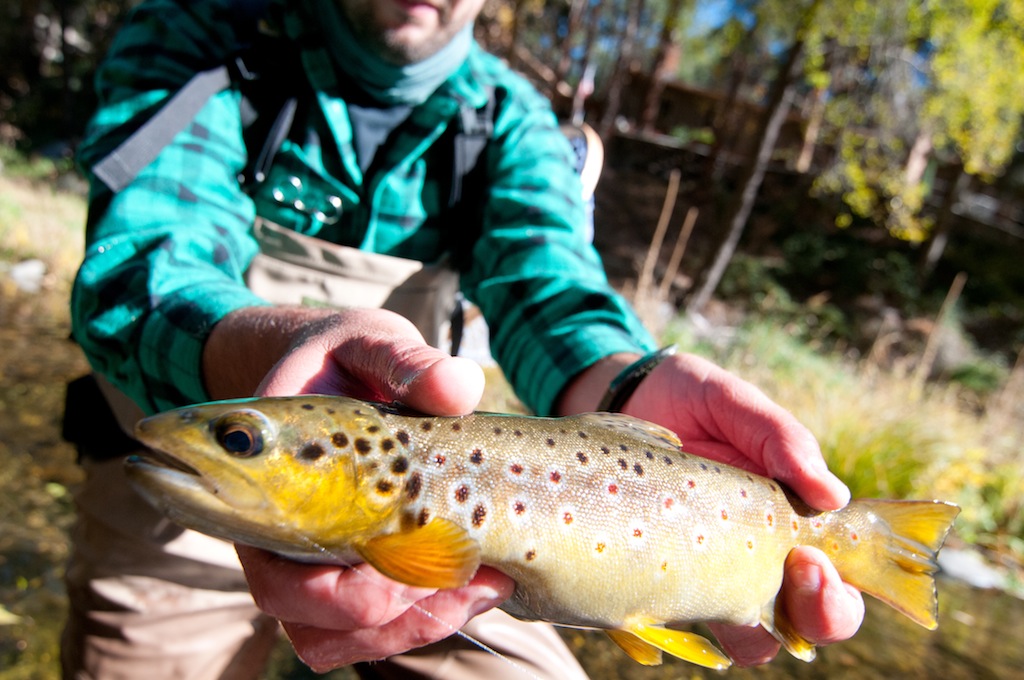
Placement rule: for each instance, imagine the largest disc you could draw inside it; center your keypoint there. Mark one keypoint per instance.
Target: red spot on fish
(531, 555)
(743, 493)
(771, 520)
(519, 507)
(692, 484)
(700, 539)
(853, 535)
(725, 515)
(567, 518)
(750, 545)
(462, 494)
(439, 459)
(664, 566)
(613, 489)
(600, 547)
(638, 533)
(669, 502)
(796, 527)
(556, 476)
(516, 469)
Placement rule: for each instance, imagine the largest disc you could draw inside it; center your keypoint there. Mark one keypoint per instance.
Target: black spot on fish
(462, 494)
(477, 457)
(373, 429)
(772, 487)
(623, 447)
(400, 465)
(623, 464)
(312, 451)
(387, 445)
(668, 460)
(497, 430)
(582, 434)
(519, 507)
(649, 455)
(457, 426)
(330, 411)
(403, 437)
(426, 425)
(339, 439)
(582, 457)
(308, 407)
(358, 411)
(518, 433)
(718, 470)
(704, 467)
(531, 555)
(551, 442)
(605, 450)
(384, 487)
(423, 518)
(638, 469)
(479, 513)
(363, 446)
(413, 486)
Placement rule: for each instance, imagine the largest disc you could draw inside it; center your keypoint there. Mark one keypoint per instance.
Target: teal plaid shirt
(166, 256)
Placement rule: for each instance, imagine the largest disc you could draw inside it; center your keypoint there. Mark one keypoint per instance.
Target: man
(162, 310)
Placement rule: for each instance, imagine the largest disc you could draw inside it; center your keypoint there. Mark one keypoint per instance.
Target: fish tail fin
(901, 573)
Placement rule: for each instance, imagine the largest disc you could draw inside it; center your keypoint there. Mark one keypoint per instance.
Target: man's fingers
(822, 608)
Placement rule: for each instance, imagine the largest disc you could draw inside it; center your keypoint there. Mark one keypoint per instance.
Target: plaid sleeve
(535, 276)
(164, 257)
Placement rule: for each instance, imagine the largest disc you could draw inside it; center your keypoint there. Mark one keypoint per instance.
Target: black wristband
(626, 382)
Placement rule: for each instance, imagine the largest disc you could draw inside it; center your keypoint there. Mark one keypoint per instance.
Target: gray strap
(118, 168)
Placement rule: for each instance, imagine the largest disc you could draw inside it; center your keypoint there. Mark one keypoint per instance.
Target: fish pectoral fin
(440, 554)
(645, 642)
(775, 621)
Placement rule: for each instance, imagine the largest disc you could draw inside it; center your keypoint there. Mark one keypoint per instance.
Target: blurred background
(826, 197)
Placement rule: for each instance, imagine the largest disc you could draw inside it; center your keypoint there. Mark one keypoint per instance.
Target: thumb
(376, 355)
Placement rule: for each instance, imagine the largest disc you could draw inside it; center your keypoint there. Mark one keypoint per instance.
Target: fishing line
(430, 615)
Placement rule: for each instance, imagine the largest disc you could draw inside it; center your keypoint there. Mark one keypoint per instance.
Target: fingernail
(488, 599)
(806, 579)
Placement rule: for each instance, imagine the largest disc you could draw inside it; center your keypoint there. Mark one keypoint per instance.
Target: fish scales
(602, 520)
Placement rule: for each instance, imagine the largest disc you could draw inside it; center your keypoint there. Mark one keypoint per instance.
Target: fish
(604, 521)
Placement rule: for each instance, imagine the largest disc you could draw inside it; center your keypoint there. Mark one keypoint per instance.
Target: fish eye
(242, 434)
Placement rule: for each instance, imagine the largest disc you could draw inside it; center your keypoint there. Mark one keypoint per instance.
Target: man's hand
(719, 416)
(334, 615)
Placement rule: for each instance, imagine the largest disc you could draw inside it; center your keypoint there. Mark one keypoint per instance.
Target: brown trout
(602, 520)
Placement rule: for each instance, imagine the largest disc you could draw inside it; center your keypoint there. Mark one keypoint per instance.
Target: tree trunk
(943, 226)
(565, 48)
(777, 108)
(621, 71)
(662, 64)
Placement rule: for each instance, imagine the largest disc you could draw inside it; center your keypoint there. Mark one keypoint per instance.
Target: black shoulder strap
(476, 126)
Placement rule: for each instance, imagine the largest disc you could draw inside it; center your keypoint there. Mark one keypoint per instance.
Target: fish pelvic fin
(644, 643)
(440, 554)
(903, 573)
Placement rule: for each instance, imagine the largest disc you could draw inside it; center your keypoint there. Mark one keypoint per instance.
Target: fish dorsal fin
(775, 621)
(644, 643)
(438, 555)
(633, 427)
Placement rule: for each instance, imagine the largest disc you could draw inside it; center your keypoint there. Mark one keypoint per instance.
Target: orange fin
(438, 555)
(775, 621)
(644, 644)
(902, 574)
(637, 649)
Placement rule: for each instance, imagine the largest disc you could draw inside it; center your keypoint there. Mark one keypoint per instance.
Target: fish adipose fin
(644, 643)
(902, 574)
(438, 555)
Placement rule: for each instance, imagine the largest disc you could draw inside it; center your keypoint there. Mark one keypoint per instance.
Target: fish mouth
(159, 466)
